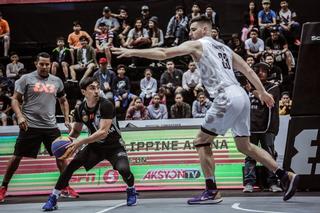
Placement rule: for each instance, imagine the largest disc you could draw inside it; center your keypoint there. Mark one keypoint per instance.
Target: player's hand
(266, 98)
(67, 124)
(22, 122)
(121, 52)
(72, 148)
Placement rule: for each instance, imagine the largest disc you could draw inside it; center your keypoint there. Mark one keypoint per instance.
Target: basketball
(58, 146)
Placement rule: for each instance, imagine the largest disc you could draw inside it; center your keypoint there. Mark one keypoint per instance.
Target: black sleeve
(77, 115)
(61, 94)
(107, 110)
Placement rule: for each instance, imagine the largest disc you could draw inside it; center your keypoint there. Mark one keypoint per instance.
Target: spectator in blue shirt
(266, 19)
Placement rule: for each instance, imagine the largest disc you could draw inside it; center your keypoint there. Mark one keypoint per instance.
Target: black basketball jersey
(91, 117)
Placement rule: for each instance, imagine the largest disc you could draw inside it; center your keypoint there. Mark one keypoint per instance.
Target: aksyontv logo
(307, 159)
(172, 174)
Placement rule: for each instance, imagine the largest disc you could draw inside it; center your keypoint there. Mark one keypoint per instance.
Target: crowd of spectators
(266, 36)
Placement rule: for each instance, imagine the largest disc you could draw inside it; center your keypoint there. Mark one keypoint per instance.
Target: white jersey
(215, 66)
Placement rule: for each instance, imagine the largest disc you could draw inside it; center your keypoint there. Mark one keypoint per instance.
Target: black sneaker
(290, 182)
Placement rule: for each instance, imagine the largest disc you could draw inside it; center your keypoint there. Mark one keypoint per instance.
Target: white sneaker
(132, 66)
(152, 64)
(275, 188)
(248, 188)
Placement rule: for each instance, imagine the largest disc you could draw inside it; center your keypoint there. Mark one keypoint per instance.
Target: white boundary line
(111, 208)
(237, 206)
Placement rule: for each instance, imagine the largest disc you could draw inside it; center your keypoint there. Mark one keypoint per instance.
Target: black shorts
(92, 154)
(29, 142)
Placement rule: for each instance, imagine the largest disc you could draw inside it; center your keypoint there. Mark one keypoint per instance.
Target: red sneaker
(3, 191)
(69, 192)
(297, 42)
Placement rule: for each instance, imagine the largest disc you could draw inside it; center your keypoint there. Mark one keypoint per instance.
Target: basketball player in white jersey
(230, 108)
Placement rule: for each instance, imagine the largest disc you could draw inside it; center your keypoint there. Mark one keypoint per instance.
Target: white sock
(56, 193)
(130, 187)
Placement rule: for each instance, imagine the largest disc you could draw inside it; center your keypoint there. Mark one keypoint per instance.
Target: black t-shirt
(276, 44)
(91, 118)
(263, 118)
(5, 102)
(120, 86)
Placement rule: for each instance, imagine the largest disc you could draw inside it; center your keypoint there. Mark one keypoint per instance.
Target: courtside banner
(161, 159)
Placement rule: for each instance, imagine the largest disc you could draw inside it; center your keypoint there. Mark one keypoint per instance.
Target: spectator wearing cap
(4, 34)
(254, 45)
(104, 41)
(148, 86)
(145, 15)
(86, 60)
(213, 15)
(108, 20)
(156, 109)
(61, 58)
(195, 11)
(123, 19)
(13, 68)
(250, 20)
(264, 128)
(278, 46)
(289, 26)
(121, 87)
(177, 27)
(105, 77)
(266, 19)
(215, 34)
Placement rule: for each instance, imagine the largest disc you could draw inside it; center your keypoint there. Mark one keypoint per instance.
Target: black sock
(280, 173)
(210, 185)
(5, 184)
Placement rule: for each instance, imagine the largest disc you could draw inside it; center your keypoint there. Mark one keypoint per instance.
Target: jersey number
(225, 60)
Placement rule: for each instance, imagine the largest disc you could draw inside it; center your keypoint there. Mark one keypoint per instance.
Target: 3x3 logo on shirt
(40, 87)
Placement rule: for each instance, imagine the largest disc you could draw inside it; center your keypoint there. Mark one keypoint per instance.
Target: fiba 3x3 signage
(302, 154)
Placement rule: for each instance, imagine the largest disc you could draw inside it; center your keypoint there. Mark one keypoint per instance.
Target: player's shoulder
(105, 103)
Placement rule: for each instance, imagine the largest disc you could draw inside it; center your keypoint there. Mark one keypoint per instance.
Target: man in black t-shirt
(264, 128)
(278, 46)
(104, 142)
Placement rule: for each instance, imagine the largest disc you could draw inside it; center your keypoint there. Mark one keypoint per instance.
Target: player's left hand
(121, 52)
(266, 98)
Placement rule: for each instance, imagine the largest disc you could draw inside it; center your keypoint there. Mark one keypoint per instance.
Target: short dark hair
(121, 66)
(84, 38)
(86, 82)
(268, 54)
(60, 38)
(42, 55)
(13, 53)
(201, 93)
(75, 23)
(179, 7)
(148, 69)
(102, 24)
(203, 18)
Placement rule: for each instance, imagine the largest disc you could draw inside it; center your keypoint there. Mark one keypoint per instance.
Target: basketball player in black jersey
(104, 142)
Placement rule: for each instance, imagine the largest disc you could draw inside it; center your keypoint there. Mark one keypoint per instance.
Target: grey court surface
(270, 204)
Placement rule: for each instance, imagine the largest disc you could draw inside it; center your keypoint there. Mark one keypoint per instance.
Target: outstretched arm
(193, 48)
(240, 65)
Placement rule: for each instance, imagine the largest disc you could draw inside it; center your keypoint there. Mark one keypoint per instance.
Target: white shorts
(230, 109)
